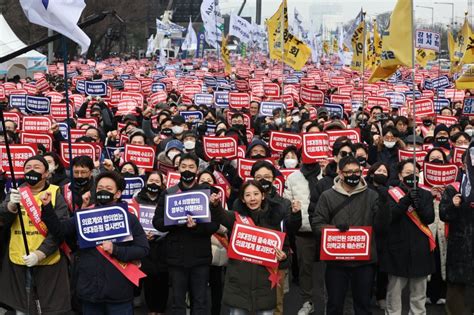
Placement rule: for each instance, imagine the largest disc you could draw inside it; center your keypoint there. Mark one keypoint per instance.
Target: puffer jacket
(247, 285)
(363, 210)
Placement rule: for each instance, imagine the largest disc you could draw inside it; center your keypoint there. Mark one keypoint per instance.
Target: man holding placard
(184, 212)
(344, 217)
(111, 242)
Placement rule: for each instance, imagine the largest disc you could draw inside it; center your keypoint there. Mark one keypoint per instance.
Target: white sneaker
(306, 309)
(441, 302)
(382, 304)
(428, 301)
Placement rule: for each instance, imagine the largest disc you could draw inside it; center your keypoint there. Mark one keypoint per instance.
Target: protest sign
(203, 99)
(280, 140)
(78, 149)
(133, 185)
(19, 154)
(219, 147)
(439, 174)
(311, 97)
(193, 203)
(142, 155)
(315, 147)
(95, 88)
(37, 105)
(37, 138)
(239, 100)
(353, 244)
(147, 214)
(38, 124)
(267, 108)
(94, 226)
(408, 155)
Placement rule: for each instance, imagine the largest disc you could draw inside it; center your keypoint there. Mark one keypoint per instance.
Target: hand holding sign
(108, 246)
(457, 200)
(280, 255)
(295, 206)
(190, 222)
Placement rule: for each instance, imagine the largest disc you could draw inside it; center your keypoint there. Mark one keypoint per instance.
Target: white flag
(60, 16)
(351, 29)
(213, 22)
(190, 41)
(240, 28)
(150, 46)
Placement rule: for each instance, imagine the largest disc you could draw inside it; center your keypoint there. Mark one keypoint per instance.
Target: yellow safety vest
(35, 239)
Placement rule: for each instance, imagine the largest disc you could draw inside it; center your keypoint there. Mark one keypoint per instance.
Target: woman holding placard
(247, 287)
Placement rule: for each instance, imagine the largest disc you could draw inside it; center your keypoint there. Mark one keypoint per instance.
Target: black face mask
(408, 180)
(352, 180)
(210, 121)
(239, 127)
(266, 138)
(266, 184)
(153, 188)
(437, 161)
(32, 177)
(167, 132)
(104, 197)
(81, 181)
(128, 174)
(442, 140)
(380, 179)
(362, 160)
(257, 156)
(427, 123)
(187, 177)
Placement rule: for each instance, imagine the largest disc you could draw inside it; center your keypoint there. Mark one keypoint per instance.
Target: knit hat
(439, 128)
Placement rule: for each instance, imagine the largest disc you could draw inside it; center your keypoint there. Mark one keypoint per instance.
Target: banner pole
(363, 59)
(413, 90)
(68, 119)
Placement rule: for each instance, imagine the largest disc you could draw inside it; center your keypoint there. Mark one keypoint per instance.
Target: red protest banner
(132, 85)
(13, 116)
(315, 147)
(312, 97)
(38, 124)
(280, 140)
(56, 97)
(408, 155)
(59, 110)
(352, 134)
(238, 100)
(447, 120)
(133, 96)
(457, 156)
(255, 245)
(344, 100)
(77, 133)
(19, 154)
(271, 89)
(220, 147)
(172, 179)
(142, 155)
(244, 166)
(345, 90)
(287, 172)
(439, 174)
(86, 121)
(37, 138)
(353, 244)
(423, 107)
(338, 81)
(383, 102)
(125, 107)
(78, 149)
(157, 97)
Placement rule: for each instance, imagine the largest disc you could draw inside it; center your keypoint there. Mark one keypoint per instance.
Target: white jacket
(297, 188)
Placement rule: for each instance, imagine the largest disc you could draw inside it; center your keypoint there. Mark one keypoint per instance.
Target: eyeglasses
(352, 172)
(344, 154)
(266, 177)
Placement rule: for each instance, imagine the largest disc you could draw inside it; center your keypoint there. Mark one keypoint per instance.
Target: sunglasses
(344, 154)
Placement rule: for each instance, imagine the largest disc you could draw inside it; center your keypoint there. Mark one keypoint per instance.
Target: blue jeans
(107, 308)
(240, 311)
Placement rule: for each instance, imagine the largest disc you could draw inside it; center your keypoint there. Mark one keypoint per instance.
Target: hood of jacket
(340, 189)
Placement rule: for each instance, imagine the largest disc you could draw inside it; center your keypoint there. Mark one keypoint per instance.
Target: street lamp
(452, 11)
(432, 13)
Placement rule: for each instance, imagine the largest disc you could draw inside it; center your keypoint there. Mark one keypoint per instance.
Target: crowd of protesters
(355, 184)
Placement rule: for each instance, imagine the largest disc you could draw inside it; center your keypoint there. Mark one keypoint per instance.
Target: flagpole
(413, 90)
(217, 46)
(363, 59)
(68, 119)
(282, 26)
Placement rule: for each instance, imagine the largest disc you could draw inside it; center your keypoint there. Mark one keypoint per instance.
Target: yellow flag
(370, 54)
(397, 42)
(358, 47)
(335, 46)
(468, 44)
(276, 27)
(226, 56)
(326, 47)
(382, 73)
(451, 48)
(377, 45)
(424, 55)
(466, 80)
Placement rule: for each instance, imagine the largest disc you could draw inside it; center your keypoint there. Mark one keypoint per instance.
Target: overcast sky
(349, 8)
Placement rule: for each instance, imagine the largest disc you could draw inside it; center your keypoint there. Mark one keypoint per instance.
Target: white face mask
(51, 168)
(470, 132)
(389, 144)
(296, 118)
(177, 130)
(172, 155)
(290, 163)
(189, 145)
(280, 121)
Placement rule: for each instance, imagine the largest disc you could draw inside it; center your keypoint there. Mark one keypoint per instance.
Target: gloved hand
(14, 201)
(415, 197)
(342, 227)
(33, 258)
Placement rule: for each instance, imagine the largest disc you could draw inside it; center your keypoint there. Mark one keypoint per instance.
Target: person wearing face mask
(441, 136)
(456, 210)
(83, 184)
(290, 158)
(155, 285)
(350, 203)
(129, 169)
(409, 246)
(361, 154)
(50, 264)
(101, 286)
(386, 149)
(57, 172)
(257, 149)
(247, 289)
(172, 149)
(188, 246)
(436, 288)
(192, 145)
(179, 126)
(377, 180)
(461, 139)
